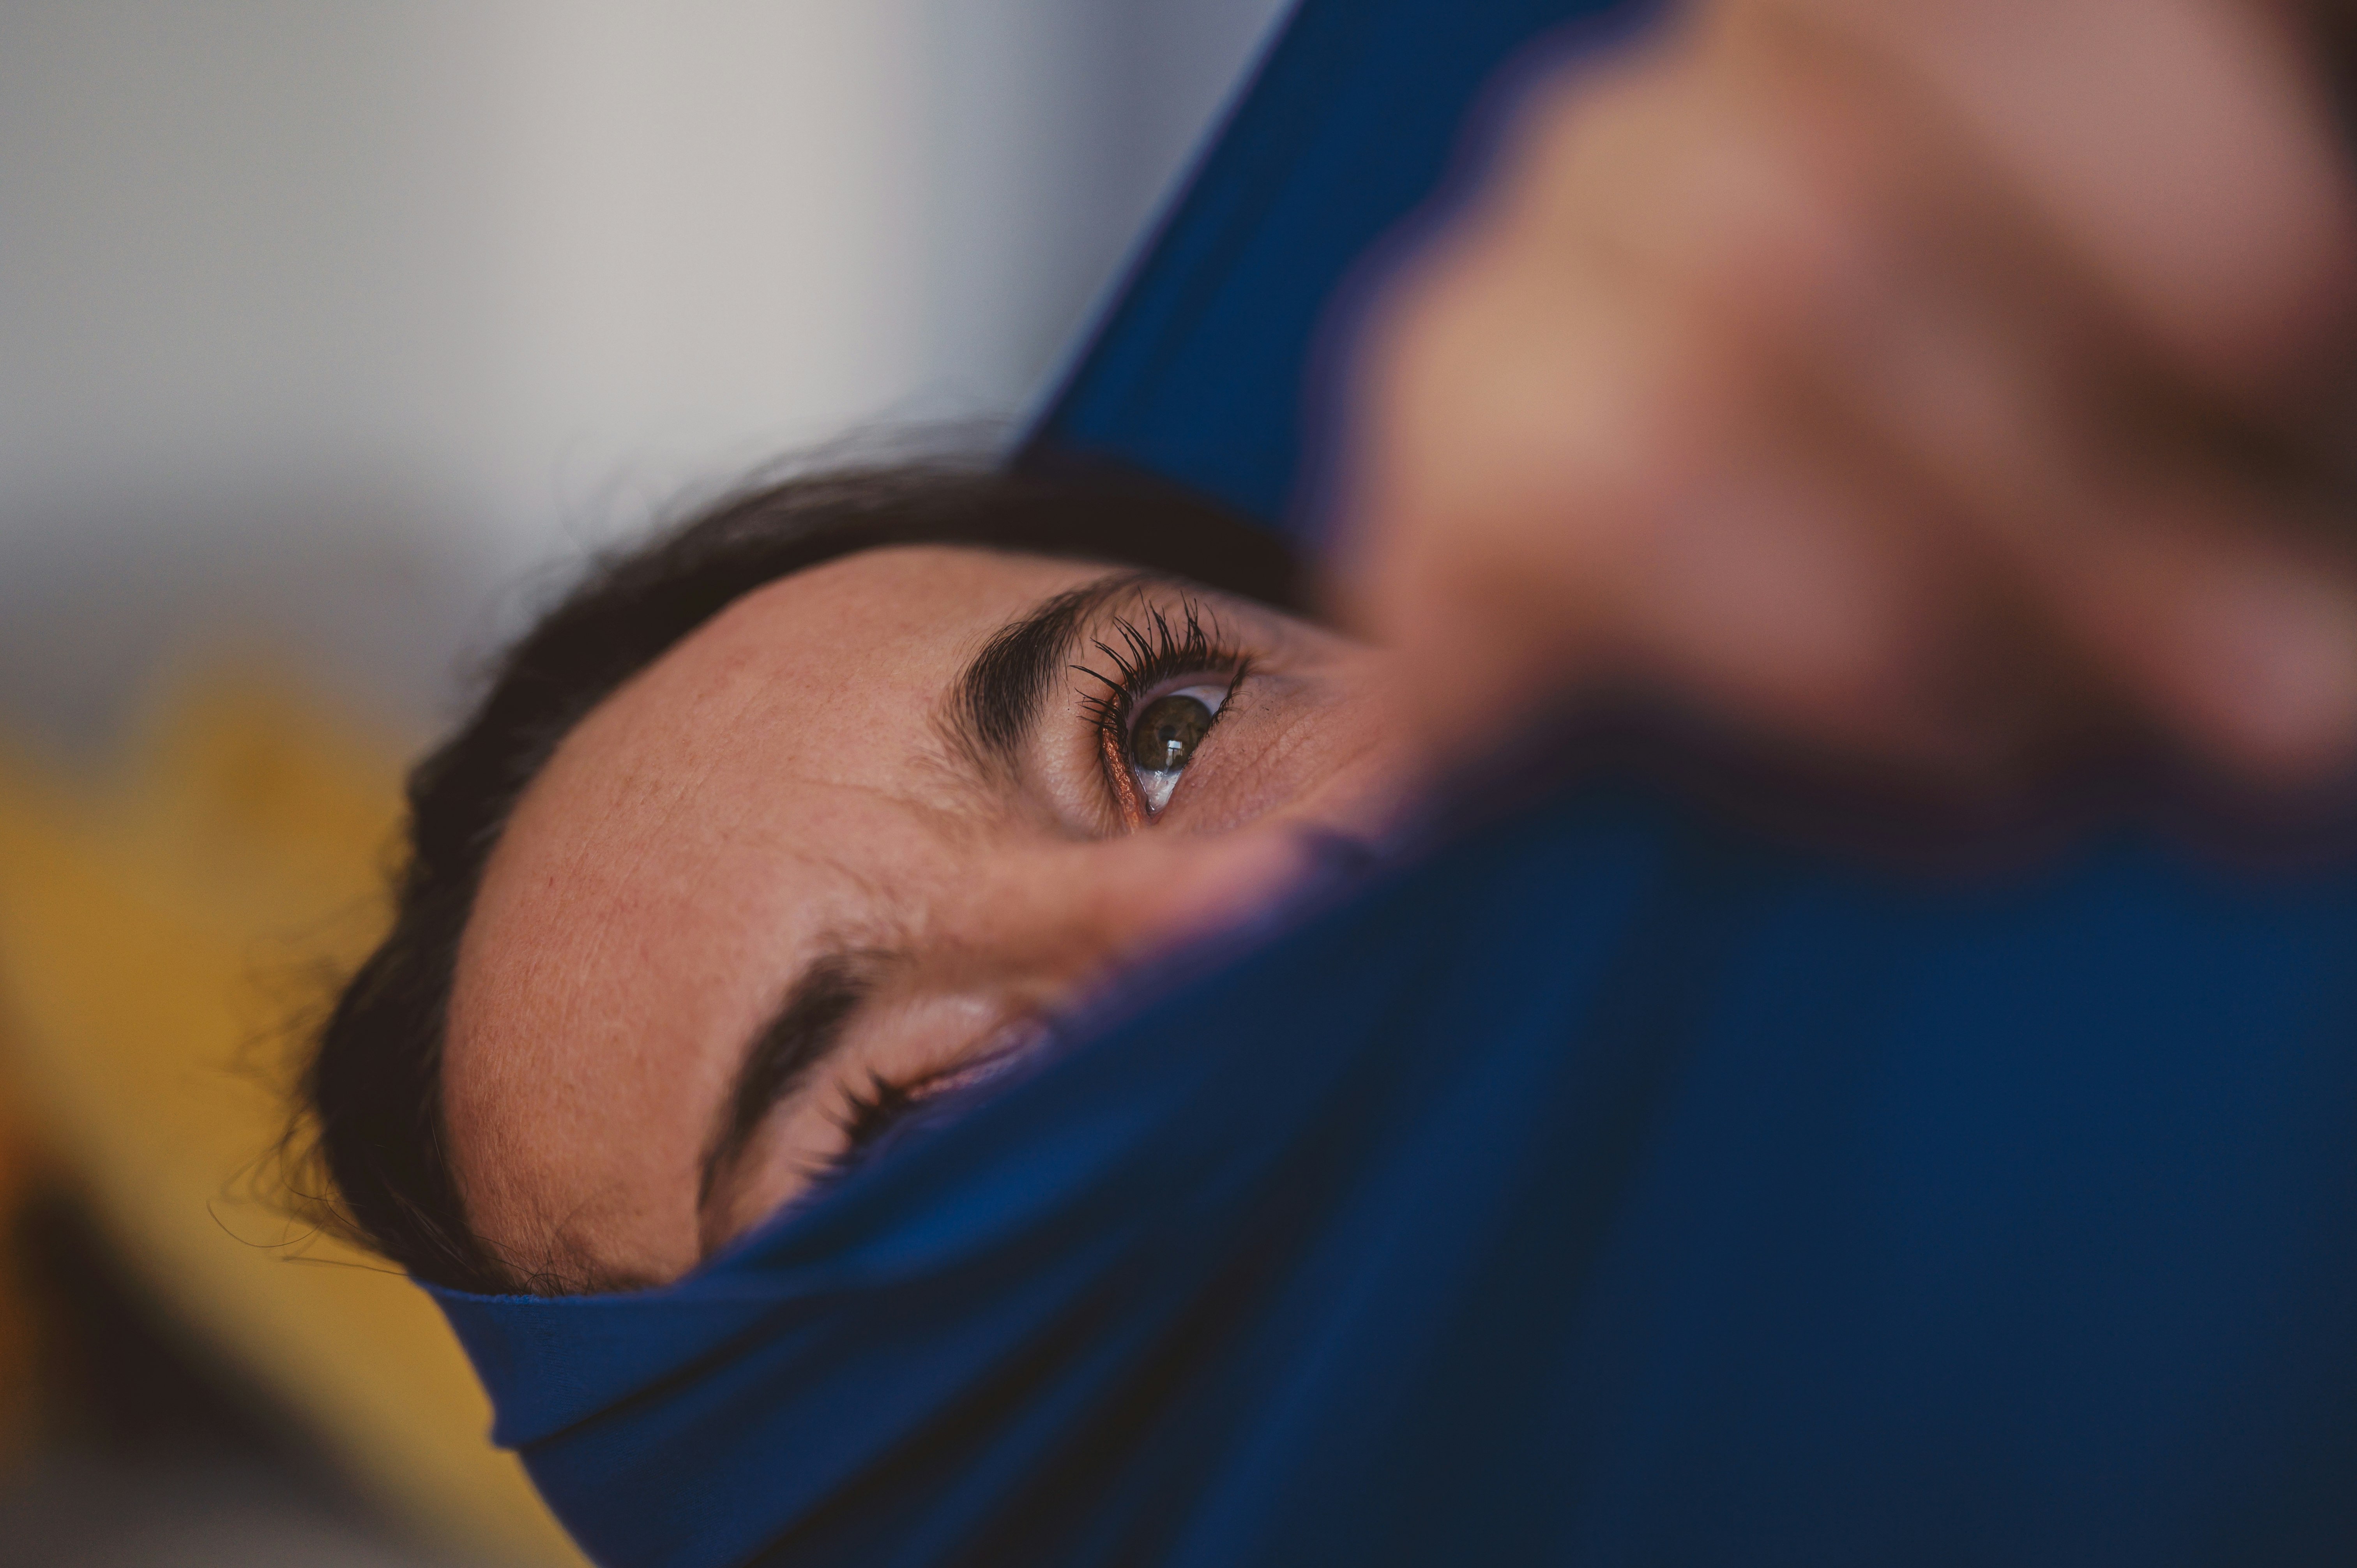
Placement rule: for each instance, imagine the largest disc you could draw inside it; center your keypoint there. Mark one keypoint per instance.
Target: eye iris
(1167, 733)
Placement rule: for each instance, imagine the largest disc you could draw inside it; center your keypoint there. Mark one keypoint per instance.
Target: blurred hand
(1914, 377)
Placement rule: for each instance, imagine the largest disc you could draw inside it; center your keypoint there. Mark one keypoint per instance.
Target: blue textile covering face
(1611, 1188)
(1602, 1184)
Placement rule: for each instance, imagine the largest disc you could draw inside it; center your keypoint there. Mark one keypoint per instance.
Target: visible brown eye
(1164, 738)
(1169, 731)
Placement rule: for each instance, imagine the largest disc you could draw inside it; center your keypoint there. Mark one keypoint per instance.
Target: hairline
(374, 1087)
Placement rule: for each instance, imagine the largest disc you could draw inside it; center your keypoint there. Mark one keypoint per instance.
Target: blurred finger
(1979, 353)
(1624, 500)
(2135, 513)
(2185, 150)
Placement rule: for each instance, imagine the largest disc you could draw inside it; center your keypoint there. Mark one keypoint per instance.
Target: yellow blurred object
(155, 936)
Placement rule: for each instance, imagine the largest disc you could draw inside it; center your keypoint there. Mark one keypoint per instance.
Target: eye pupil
(1167, 733)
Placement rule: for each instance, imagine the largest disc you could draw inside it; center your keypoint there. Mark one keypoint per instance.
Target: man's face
(848, 843)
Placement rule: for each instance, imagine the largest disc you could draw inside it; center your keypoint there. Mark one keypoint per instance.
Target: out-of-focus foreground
(324, 332)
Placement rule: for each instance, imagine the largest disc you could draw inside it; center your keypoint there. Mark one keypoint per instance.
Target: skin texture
(1920, 381)
(790, 780)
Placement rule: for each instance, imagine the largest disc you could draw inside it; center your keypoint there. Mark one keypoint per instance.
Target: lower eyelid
(994, 1057)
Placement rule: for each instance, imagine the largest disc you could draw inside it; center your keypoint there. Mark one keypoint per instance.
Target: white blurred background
(330, 332)
(324, 322)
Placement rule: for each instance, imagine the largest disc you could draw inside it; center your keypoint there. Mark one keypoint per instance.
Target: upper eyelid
(1204, 647)
(1224, 682)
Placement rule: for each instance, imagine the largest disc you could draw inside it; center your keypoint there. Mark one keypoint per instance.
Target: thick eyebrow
(809, 1027)
(998, 696)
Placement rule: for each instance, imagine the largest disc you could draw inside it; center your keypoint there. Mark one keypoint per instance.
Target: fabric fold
(1611, 1186)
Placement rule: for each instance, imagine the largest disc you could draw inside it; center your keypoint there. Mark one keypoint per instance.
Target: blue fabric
(1609, 1189)
(1608, 1186)
(1198, 373)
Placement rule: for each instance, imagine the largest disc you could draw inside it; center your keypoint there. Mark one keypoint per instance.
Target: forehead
(773, 778)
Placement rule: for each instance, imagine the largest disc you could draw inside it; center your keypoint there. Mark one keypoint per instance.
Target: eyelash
(1145, 652)
(1144, 656)
(867, 1115)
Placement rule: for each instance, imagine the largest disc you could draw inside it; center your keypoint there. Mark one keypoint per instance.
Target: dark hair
(371, 1090)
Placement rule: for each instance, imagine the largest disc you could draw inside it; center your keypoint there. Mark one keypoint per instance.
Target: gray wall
(324, 324)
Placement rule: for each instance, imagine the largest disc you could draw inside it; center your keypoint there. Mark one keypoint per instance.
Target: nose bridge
(1041, 915)
(1050, 917)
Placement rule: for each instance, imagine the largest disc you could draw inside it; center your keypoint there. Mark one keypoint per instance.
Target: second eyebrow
(807, 1029)
(999, 695)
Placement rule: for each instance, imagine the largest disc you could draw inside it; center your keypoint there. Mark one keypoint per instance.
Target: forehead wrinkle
(615, 854)
(668, 803)
(599, 872)
(752, 680)
(916, 793)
